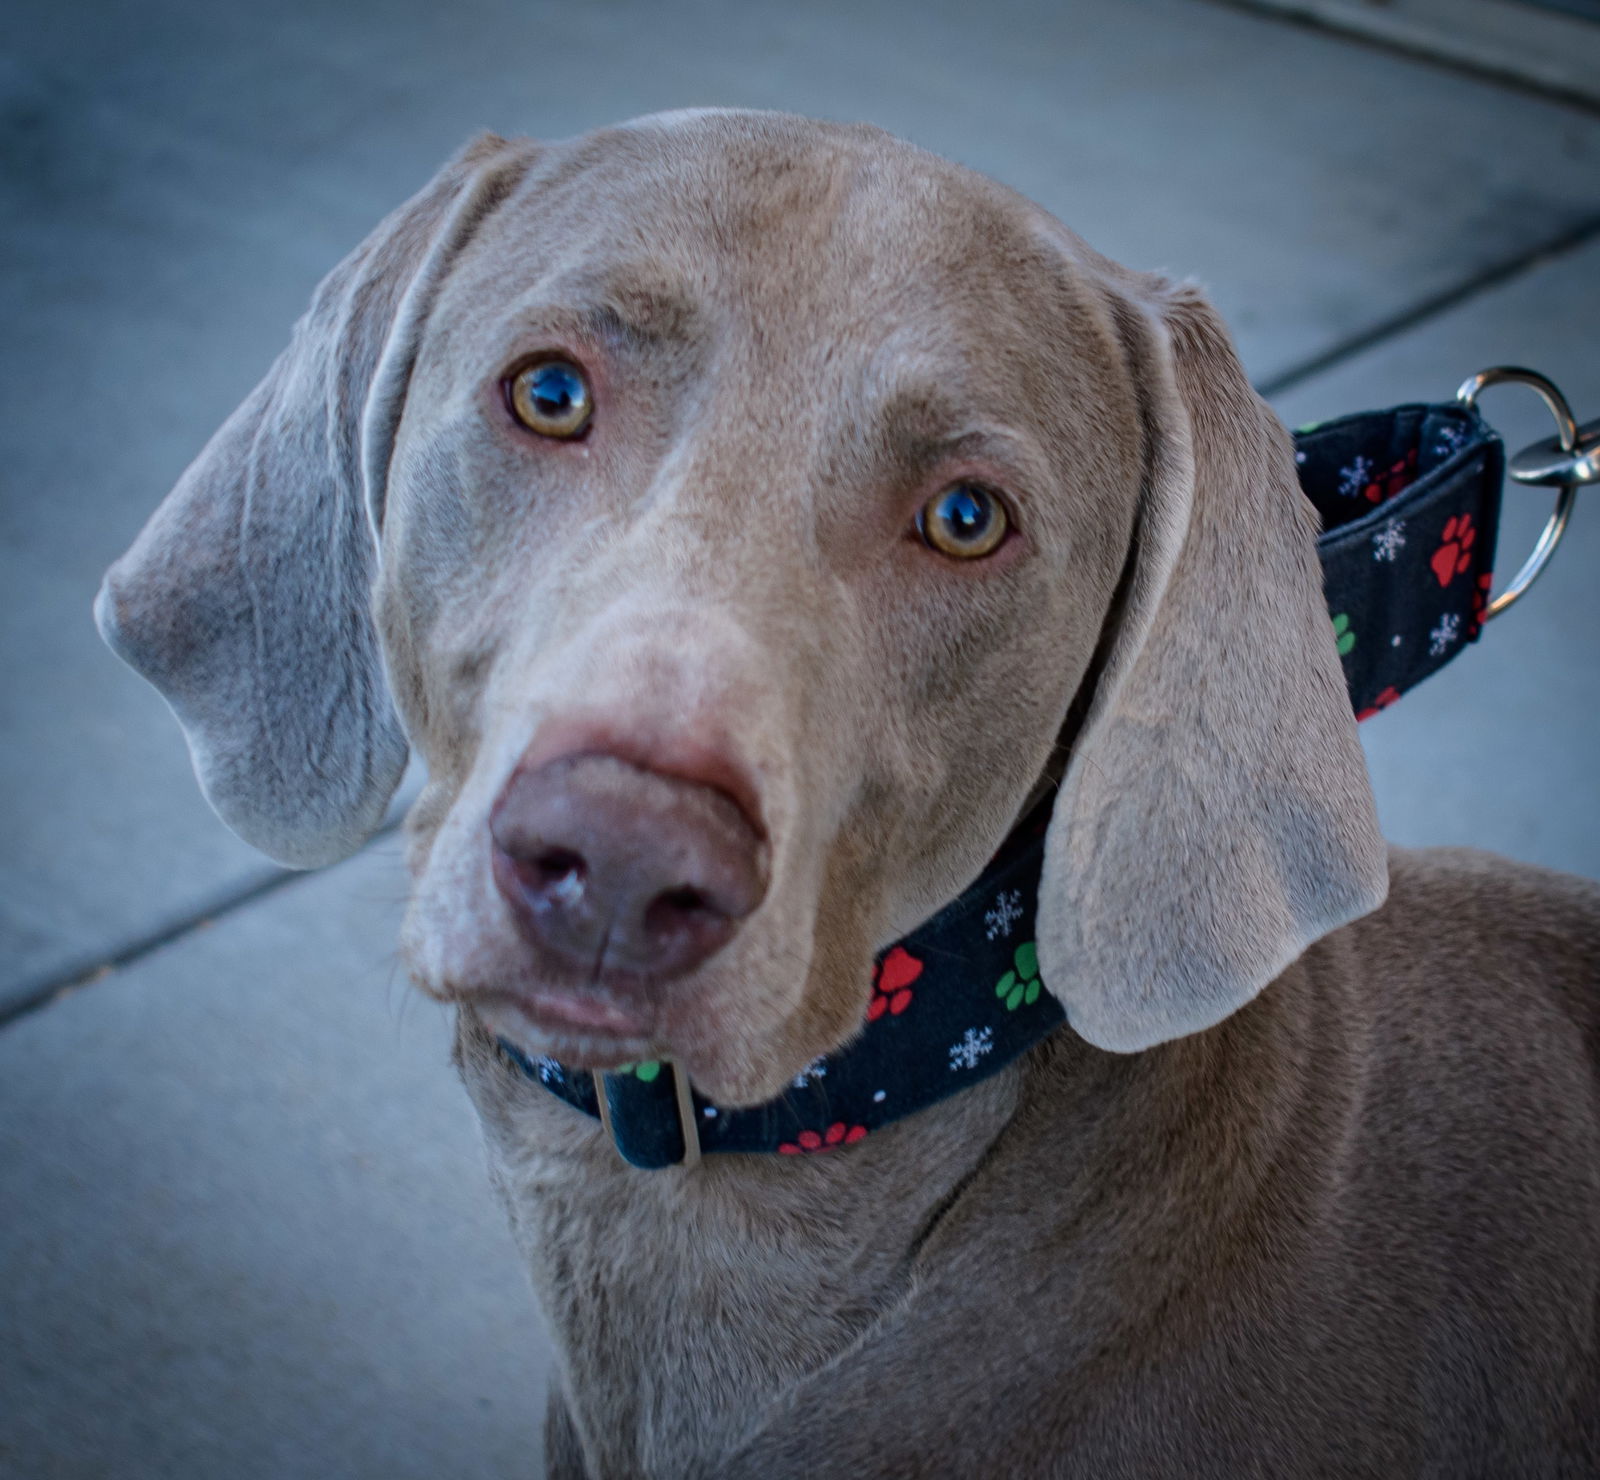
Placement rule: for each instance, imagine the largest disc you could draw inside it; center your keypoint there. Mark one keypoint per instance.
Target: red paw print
(1399, 477)
(891, 983)
(1383, 701)
(837, 1134)
(1452, 557)
(1480, 604)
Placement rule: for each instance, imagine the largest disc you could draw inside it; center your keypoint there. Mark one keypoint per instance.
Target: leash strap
(1410, 503)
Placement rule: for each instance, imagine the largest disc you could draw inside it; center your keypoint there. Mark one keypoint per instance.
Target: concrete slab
(178, 174)
(1498, 750)
(248, 1231)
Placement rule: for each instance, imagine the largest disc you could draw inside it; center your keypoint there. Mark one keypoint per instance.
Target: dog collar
(1410, 501)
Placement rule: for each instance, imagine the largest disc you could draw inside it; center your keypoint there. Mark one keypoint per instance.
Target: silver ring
(1567, 438)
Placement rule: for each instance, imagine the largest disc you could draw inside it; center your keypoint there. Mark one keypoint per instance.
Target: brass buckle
(686, 1121)
(1566, 461)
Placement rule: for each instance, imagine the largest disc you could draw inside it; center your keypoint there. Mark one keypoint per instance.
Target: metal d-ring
(1566, 461)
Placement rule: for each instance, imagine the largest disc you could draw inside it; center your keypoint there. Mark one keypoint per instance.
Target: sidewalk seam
(1484, 72)
(49, 987)
(1579, 234)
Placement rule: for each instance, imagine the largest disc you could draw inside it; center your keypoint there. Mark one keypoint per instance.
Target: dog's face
(795, 358)
(747, 502)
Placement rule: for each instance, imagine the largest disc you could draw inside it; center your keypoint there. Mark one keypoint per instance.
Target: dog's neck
(686, 1302)
(716, 1287)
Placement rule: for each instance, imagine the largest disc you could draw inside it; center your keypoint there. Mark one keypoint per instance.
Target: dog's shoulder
(1471, 877)
(1503, 938)
(1466, 1015)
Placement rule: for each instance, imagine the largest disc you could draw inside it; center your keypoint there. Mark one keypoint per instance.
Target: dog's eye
(966, 522)
(552, 398)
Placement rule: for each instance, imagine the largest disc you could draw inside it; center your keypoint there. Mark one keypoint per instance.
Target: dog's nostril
(559, 872)
(686, 900)
(684, 922)
(675, 911)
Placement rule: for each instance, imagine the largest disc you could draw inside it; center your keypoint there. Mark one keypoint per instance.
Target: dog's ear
(1215, 817)
(246, 598)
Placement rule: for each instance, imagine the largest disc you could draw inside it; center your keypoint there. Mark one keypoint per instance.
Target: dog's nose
(608, 865)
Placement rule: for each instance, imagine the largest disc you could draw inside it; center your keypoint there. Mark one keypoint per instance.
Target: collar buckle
(687, 1127)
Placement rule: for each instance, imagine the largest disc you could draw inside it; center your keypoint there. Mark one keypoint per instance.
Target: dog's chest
(685, 1303)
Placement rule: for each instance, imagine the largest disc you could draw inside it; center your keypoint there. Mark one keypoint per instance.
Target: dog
(749, 520)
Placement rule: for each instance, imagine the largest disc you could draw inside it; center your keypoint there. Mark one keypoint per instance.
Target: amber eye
(965, 522)
(552, 398)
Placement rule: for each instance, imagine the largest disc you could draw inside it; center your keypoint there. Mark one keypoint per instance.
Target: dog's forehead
(792, 215)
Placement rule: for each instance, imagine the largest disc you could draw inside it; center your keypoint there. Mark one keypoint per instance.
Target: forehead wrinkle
(639, 304)
(928, 417)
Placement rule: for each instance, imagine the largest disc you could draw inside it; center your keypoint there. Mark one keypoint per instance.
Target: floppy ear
(246, 598)
(1215, 817)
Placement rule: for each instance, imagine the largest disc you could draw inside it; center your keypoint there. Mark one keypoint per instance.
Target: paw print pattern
(1343, 637)
(1480, 604)
(1020, 986)
(1383, 701)
(1454, 553)
(891, 984)
(1401, 475)
(1362, 479)
(809, 1142)
(645, 1072)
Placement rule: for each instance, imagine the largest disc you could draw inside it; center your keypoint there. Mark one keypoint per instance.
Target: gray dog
(748, 519)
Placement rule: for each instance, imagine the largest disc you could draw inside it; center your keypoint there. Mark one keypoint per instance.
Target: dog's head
(742, 516)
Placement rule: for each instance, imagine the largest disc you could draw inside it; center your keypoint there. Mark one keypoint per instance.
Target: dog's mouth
(583, 1028)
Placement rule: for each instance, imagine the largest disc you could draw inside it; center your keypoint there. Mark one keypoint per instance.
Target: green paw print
(1021, 985)
(1342, 635)
(646, 1071)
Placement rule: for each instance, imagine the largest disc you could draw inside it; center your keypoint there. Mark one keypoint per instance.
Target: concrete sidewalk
(247, 1231)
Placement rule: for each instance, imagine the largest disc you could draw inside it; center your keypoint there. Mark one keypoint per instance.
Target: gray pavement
(248, 1231)
(246, 1228)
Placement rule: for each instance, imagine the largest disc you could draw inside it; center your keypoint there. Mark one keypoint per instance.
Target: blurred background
(246, 1229)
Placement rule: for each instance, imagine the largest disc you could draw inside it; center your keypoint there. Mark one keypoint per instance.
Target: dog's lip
(581, 1027)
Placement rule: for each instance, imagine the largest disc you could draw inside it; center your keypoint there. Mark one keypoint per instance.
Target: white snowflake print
(1451, 435)
(1442, 636)
(550, 1072)
(1006, 912)
(975, 1043)
(812, 1072)
(1354, 478)
(1389, 541)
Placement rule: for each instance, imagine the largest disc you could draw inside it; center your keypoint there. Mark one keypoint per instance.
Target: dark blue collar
(1410, 502)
